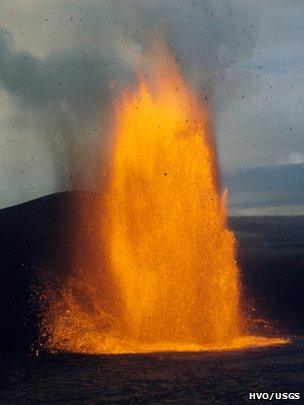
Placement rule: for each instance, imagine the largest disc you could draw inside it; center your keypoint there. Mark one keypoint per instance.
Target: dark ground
(33, 237)
(183, 378)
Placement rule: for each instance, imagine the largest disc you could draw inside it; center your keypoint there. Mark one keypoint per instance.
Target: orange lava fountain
(169, 252)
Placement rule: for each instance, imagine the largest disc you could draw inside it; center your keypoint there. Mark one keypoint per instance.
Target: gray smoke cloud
(59, 74)
(63, 62)
(65, 93)
(205, 36)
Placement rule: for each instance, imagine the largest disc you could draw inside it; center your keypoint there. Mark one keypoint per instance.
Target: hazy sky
(60, 58)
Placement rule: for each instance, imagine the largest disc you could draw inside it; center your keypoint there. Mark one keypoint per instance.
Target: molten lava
(168, 250)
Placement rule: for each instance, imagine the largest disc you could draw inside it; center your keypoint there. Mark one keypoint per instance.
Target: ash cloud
(64, 94)
(60, 59)
(204, 36)
(78, 78)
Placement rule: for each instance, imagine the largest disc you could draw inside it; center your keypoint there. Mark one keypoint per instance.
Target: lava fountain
(171, 254)
(168, 250)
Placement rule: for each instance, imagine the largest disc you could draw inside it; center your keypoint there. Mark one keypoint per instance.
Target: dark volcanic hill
(36, 237)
